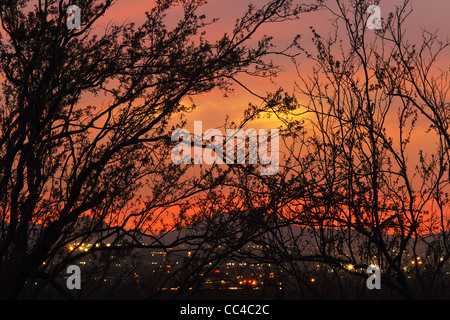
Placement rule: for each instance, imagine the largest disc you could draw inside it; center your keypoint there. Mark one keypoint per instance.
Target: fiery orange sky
(213, 107)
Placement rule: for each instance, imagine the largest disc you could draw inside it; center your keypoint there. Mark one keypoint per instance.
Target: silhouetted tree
(85, 122)
(354, 188)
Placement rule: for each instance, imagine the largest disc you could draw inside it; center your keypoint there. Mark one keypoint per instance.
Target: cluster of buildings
(184, 267)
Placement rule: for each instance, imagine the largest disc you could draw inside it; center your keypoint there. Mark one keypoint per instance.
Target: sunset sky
(213, 107)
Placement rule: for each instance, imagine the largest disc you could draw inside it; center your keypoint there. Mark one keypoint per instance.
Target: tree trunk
(13, 279)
